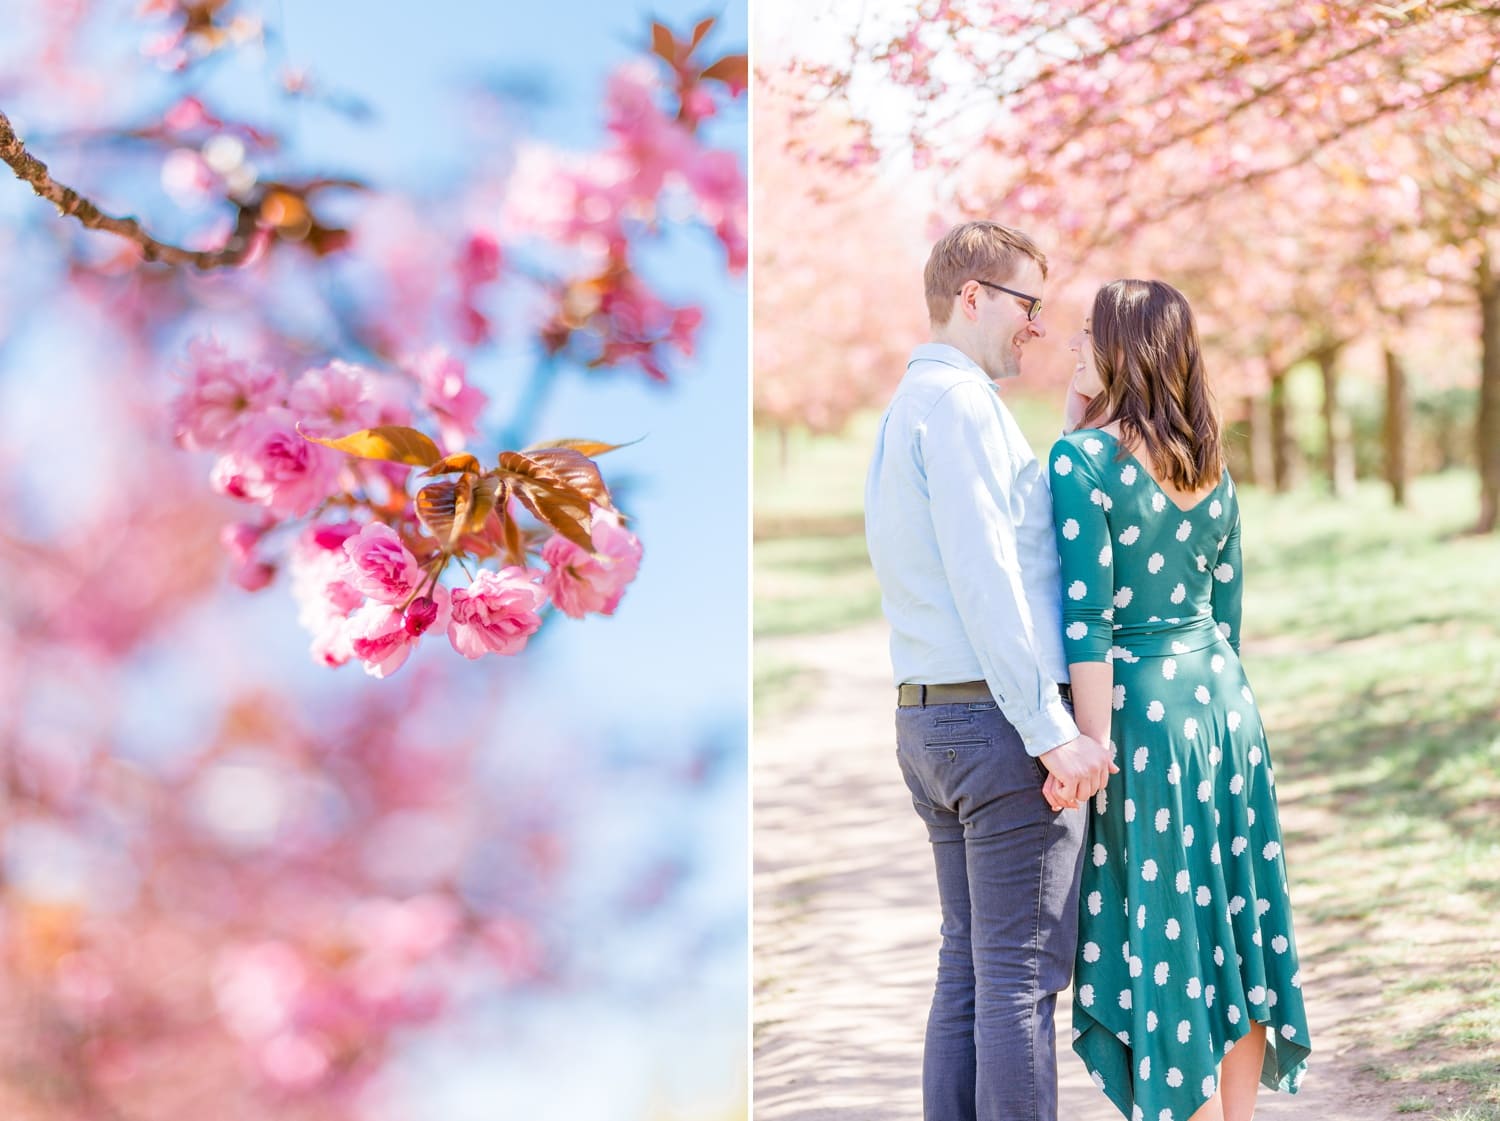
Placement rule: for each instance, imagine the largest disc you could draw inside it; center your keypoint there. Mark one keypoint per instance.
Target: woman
(1186, 957)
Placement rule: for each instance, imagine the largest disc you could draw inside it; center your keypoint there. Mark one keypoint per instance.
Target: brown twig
(69, 202)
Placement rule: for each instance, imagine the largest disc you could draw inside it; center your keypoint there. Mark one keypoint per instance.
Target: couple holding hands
(1072, 719)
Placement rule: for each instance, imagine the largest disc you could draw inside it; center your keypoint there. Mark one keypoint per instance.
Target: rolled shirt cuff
(1050, 727)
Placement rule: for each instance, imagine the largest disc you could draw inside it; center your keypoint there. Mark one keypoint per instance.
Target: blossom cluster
(367, 580)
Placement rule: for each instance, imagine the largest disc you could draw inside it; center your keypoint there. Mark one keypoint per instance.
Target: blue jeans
(1007, 871)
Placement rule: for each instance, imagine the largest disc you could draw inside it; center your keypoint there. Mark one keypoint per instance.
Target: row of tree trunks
(1397, 409)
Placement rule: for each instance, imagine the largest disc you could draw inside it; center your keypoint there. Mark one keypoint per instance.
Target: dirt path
(846, 922)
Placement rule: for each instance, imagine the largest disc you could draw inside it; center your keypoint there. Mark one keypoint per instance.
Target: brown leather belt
(919, 696)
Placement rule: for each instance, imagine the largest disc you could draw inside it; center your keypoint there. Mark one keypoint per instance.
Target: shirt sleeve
(1225, 596)
(1085, 554)
(969, 475)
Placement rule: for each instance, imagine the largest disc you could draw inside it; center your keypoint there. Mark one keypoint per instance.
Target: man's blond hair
(977, 250)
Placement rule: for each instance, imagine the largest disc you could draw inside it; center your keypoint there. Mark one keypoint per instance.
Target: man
(959, 524)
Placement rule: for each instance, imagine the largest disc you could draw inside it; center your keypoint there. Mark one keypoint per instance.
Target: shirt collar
(948, 356)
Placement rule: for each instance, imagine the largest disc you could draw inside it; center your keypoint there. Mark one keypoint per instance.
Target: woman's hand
(1074, 408)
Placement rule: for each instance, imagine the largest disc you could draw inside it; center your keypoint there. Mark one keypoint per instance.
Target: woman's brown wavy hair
(1146, 348)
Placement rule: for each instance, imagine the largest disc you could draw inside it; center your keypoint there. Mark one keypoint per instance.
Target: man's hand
(1078, 770)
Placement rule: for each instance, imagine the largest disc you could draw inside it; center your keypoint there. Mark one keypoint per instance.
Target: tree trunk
(784, 447)
(1397, 417)
(1338, 445)
(1487, 427)
(1262, 452)
(1285, 463)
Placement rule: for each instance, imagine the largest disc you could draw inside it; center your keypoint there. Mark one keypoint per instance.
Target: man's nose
(1037, 328)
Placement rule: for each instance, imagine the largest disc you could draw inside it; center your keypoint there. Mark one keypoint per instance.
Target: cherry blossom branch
(70, 203)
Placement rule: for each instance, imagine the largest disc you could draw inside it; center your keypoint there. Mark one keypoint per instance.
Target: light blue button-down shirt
(958, 520)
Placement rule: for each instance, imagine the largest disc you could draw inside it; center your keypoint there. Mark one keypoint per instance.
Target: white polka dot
(1101, 800)
(1077, 630)
(1062, 465)
(1200, 694)
(1189, 727)
(1297, 979)
(1185, 530)
(1174, 774)
(1145, 1068)
(1271, 851)
(1097, 496)
(1261, 907)
(1184, 1031)
(1130, 807)
(1213, 854)
(1097, 1078)
(1130, 535)
(1155, 711)
(1245, 692)
(1140, 917)
(1256, 995)
(1208, 1087)
(1125, 999)
(1174, 930)
(1174, 1076)
(1148, 871)
(1127, 474)
(1096, 903)
(1077, 590)
(1239, 845)
(1070, 529)
(1232, 1013)
(1169, 668)
(1106, 555)
(1214, 755)
(1270, 993)
(1215, 508)
(1288, 1031)
(1205, 790)
(1092, 446)
(1219, 959)
(1155, 563)
(1100, 856)
(1194, 988)
(1158, 502)
(1255, 756)
(1150, 1021)
(1216, 663)
(1201, 561)
(1136, 965)
(1179, 647)
(1123, 1037)
(1179, 593)
(1091, 952)
(1117, 698)
(1224, 573)
(1163, 819)
(1163, 971)
(1142, 756)
(1280, 944)
(1122, 598)
(1086, 995)
(1233, 720)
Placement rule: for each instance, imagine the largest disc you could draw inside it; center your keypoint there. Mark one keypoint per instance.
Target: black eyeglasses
(1033, 303)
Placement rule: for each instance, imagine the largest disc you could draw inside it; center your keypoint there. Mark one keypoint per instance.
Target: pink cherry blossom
(445, 393)
(579, 581)
(325, 600)
(378, 637)
(271, 464)
(497, 613)
(380, 565)
(239, 540)
(335, 399)
(220, 396)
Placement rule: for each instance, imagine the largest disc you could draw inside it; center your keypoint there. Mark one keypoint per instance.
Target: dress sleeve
(1225, 595)
(1087, 559)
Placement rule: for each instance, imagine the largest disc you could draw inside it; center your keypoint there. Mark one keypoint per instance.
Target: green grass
(1372, 637)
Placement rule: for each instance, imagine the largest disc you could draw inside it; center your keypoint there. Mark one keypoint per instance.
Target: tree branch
(70, 203)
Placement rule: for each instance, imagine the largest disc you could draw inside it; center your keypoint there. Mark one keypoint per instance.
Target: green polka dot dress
(1185, 933)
